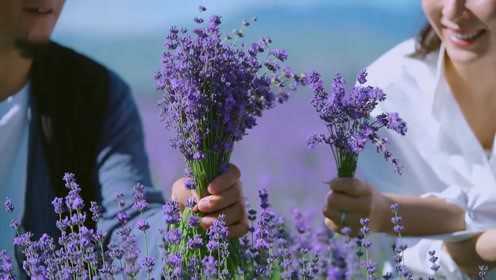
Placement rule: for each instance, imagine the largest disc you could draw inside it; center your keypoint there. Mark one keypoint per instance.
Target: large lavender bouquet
(214, 91)
(350, 125)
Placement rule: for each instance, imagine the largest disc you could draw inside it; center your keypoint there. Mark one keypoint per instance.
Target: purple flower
(96, 211)
(122, 217)
(264, 198)
(14, 224)
(217, 234)
(433, 260)
(23, 239)
(8, 205)
(6, 267)
(196, 242)
(171, 212)
(281, 55)
(393, 121)
(226, 77)
(148, 264)
(173, 236)
(142, 225)
(58, 205)
(191, 202)
(348, 119)
(362, 76)
(210, 267)
(73, 200)
(194, 221)
(139, 203)
(189, 183)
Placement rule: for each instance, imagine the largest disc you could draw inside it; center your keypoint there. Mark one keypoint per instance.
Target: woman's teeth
(466, 36)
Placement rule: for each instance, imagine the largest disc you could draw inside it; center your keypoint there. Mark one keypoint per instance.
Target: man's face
(31, 20)
(10, 11)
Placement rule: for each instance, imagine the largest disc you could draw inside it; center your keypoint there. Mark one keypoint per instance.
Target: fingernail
(204, 203)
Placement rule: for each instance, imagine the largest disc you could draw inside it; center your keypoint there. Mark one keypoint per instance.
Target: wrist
(380, 216)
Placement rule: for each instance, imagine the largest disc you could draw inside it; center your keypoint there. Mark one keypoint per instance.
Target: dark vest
(69, 94)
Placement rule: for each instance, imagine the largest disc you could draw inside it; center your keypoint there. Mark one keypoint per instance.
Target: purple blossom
(281, 55)
(194, 221)
(189, 183)
(8, 205)
(139, 202)
(173, 236)
(264, 198)
(225, 78)
(217, 234)
(73, 200)
(14, 224)
(362, 77)
(6, 267)
(196, 242)
(58, 205)
(191, 202)
(23, 239)
(433, 260)
(347, 115)
(142, 225)
(96, 211)
(210, 267)
(148, 264)
(171, 212)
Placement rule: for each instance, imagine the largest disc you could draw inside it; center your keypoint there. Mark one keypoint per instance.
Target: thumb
(350, 186)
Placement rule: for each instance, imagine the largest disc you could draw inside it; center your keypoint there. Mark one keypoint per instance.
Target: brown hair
(427, 42)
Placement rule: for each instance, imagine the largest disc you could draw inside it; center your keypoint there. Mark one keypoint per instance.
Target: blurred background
(325, 35)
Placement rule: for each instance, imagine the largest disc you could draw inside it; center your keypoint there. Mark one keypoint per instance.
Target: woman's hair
(427, 42)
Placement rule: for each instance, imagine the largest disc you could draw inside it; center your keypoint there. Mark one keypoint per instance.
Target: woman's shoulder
(398, 65)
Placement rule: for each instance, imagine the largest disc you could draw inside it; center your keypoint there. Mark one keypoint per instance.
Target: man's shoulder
(74, 70)
(74, 61)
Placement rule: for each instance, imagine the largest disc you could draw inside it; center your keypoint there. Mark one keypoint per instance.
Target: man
(60, 111)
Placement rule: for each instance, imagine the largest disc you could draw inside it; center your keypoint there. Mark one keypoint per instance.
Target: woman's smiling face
(467, 28)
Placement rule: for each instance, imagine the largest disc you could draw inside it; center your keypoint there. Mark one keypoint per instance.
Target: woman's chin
(462, 56)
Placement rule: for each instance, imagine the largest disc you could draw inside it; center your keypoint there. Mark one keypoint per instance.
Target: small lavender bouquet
(214, 89)
(350, 125)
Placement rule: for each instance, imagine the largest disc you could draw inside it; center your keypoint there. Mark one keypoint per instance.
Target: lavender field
(328, 36)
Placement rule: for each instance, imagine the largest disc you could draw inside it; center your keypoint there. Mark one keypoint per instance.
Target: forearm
(424, 216)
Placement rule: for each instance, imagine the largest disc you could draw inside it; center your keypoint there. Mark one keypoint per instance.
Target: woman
(444, 86)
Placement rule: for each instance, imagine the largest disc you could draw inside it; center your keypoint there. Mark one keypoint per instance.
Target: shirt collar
(440, 90)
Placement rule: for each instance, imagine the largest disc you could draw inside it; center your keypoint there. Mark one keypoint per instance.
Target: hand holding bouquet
(214, 91)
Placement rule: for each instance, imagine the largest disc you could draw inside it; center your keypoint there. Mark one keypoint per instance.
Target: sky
(131, 16)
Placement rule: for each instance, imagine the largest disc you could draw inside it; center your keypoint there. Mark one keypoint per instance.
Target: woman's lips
(464, 38)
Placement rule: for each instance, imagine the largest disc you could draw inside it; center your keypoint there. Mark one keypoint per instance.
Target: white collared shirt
(14, 135)
(440, 153)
